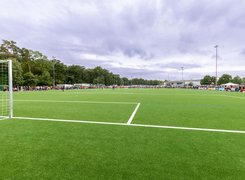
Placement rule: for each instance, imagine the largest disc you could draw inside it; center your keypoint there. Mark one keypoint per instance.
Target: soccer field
(124, 134)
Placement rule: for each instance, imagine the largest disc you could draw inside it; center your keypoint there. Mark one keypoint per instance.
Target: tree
(116, 79)
(108, 77)
(125, 81)
(39, 66)
(237, 80)
(36, 55)
(99, 80)
(75, 74)
(208, 80)
(88, 76)
(17, 73)
(8, 49)
(44, 79)
(25, 59)
(30, 79)
(225, 78)
(32, 68)
(60, 71)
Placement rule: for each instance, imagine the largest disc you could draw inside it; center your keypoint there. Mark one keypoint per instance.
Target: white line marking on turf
(89, 102)
(4, 118)
(133, 114)
(65, 120)
(134, 125)
(238, 97)
(139, 93)
(189, 128)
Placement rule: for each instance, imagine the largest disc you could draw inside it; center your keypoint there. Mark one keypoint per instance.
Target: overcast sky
(152, 39)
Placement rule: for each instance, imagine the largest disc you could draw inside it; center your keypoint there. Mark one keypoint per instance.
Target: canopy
(229, 84)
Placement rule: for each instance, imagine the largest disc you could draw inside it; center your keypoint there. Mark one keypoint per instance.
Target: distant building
(180, 83)
(66, 86)
(82, 85)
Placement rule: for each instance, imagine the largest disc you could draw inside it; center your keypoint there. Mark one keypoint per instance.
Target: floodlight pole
(216, 66)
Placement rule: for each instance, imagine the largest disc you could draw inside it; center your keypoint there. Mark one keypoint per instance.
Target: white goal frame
(10, 86)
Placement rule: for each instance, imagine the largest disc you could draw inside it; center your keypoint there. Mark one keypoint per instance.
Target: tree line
(33, 68)
(225, 78)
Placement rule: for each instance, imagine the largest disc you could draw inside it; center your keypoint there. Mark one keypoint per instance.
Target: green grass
(61, 150)
(193, 110)
(173, 107)
(75, 111)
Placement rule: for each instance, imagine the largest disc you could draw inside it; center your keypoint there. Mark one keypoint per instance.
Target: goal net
(6, 97)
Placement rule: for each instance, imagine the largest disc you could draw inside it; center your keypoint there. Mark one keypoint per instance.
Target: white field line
(134, 125)
(133, 114)
(4, 118)
(238, 97)
(71, 121)
(189, 128)
(136, 93)
(140, 93)
(88, 102)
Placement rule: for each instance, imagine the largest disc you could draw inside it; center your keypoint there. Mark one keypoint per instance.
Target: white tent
(229, 84)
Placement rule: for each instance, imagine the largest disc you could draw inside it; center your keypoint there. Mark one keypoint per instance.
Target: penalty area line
(134, 125)
(88, 102)
(133, 114)
(69, 121)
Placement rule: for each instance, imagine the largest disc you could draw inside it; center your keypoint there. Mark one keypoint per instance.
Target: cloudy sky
(152, 39)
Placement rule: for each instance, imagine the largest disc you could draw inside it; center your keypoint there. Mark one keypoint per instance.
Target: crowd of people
(240, 88)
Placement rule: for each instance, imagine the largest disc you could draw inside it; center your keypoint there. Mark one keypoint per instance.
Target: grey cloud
(153, 74)
(243, 52)
(177, 66)
(145, 30)
(139, 73)
(186, 43)
(92, 63)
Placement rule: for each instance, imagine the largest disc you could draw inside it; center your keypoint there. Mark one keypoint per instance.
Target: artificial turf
(75, 111)
(172, 107)
(61, 150)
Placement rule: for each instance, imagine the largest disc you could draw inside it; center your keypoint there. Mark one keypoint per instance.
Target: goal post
(6, 89)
